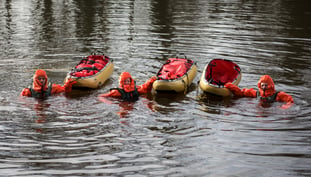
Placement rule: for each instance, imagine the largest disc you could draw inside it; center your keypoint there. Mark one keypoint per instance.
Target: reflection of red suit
(263, 94)
(39, 107)
(125, 108)
(39, 88)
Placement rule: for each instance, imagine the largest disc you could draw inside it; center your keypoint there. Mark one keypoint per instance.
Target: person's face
(41, 79)
(127, 81)
(264, 86)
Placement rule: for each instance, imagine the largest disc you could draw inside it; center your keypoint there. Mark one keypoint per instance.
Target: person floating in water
(266, 92)
(127, 89)
(41, 88)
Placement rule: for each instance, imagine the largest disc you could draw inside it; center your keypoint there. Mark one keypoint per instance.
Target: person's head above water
(40, 80)
(126, 82)
(266, 86)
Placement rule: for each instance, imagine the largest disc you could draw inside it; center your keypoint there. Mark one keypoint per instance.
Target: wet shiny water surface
(161, 134)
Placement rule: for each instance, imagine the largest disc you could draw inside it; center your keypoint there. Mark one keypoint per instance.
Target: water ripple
(160, 134)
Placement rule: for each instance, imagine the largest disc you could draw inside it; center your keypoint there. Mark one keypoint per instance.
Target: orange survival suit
(268, 95)
(38, 90)
(131, 91)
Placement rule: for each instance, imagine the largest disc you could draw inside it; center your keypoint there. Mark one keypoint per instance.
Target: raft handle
(98, 52)
(177, 56)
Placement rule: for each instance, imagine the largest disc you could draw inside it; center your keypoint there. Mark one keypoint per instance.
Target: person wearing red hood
(127, 89)
(266, 92)
(41, 88)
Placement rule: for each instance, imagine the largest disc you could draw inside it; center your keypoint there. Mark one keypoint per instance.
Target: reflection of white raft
(175, 75)
(217, 73)
(92, 71)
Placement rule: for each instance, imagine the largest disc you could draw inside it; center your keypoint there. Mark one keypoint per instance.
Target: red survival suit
(129, 92)
(268, 95)
(42, 91)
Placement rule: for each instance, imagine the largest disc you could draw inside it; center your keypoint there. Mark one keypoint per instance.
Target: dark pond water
(160, 134)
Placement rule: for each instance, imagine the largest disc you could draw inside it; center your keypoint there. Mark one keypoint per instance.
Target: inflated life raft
(92, 71)
(217, 73)
(175, 75)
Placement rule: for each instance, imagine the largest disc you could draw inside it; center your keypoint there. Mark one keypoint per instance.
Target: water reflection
(161, 20)
(211, 103)
(166, 103)
(161, 134)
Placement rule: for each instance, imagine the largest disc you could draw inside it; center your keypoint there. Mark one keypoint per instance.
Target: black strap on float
(83, 60)
(211, 80)
(186, 86)
(98, 52)
(210, 74)
(85, 68)
(198, 84)
(237, 68)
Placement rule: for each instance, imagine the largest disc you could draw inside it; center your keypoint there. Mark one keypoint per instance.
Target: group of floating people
(128, 90)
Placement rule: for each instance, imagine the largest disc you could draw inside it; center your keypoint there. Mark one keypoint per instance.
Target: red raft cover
(174, 68)
(221, 71)
(90, 65)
